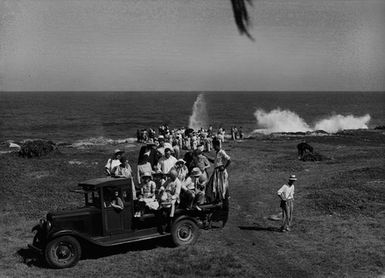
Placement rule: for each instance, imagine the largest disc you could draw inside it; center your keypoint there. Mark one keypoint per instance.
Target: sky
(191, 45)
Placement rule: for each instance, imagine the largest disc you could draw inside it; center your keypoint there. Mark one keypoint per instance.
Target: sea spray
(199, 116)
(339, 122)
(101, 141)
(278, 120)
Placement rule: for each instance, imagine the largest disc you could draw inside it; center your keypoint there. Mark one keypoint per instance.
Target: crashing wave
(278, 120)
(101, 141)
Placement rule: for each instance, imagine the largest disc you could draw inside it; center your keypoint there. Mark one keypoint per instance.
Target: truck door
(117, 220)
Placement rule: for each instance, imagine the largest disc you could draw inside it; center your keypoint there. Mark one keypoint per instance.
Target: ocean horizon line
(200, 91)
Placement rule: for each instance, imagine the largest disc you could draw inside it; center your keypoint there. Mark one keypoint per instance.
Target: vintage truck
(61, 237)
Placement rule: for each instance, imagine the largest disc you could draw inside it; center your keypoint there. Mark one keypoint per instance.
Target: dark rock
(37, 148)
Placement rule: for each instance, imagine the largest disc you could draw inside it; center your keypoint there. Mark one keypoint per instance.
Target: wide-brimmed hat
(196, 172)
(117, 151)
(292, 178)
(147, 174)
(180, 160)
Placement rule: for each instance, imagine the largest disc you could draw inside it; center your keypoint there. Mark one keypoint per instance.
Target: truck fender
(69, 233)
(179, 218)
(37, 227)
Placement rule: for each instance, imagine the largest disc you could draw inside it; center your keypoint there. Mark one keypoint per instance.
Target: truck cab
(60, 237)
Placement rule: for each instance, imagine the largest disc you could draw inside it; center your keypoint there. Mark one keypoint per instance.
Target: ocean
(102, 116)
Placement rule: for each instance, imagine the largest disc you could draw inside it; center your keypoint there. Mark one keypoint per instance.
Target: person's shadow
(259, 228)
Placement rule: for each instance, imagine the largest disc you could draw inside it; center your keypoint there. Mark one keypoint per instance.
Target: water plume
(339, 122)
(199, 116)
(278, 120)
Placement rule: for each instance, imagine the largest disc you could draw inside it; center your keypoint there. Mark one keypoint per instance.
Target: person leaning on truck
(286, 194)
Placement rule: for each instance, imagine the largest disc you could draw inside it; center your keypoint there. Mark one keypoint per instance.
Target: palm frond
(241, 16)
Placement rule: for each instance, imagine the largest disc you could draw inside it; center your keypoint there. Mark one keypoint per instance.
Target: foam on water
(101, 141)
(339, 122)
(278, 120)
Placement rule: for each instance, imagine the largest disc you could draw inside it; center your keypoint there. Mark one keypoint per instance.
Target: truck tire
(185, 232)
(63, 252)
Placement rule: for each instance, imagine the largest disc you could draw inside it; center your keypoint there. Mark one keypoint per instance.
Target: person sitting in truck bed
(123, 170)
(147, 195)
(193, 189)
(170, 192)
(181, 169)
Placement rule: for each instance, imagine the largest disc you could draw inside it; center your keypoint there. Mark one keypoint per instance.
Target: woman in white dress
(217, 187)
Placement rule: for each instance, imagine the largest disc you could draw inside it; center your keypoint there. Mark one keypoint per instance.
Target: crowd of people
(166, 179)
(187, 138)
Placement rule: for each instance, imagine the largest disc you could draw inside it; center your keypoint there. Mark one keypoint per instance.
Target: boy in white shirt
(286, 193)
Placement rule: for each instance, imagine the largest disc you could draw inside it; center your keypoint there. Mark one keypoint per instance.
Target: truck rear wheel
(63, 252)
(185, 232)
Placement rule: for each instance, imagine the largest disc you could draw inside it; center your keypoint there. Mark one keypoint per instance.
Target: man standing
(166, 162)
(163, 145)
(286, 194)
(149, 154)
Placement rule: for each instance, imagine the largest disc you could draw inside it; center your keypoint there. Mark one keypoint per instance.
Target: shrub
(37, 148)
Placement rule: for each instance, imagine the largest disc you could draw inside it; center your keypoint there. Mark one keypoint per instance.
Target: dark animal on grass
(303, 148)
(37, 148)
(312, 157)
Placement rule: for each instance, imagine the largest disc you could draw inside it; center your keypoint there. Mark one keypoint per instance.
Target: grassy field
(339, 213)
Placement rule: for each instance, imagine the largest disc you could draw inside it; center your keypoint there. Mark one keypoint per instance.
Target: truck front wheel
(185, 232)
(63, 252)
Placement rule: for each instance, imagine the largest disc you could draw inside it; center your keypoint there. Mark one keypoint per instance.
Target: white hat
(118, 151)
(292, 178)
(147, 174)
(196, 172)
(181, 160)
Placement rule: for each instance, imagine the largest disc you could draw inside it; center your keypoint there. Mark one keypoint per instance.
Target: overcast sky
(184, 45)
